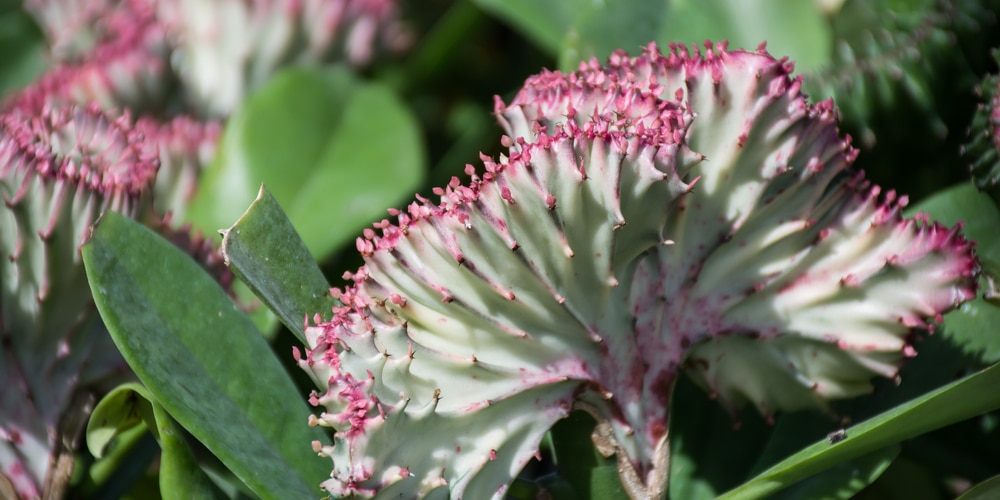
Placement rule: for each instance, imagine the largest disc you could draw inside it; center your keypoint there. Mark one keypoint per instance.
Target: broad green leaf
(130, 406)
(546, 22)
(202, 359)
(266, 253)
(986, 490)
(576, 30)
(797, 30)
(954, 402)
(975, 325)
(334, 151)
(602, 27)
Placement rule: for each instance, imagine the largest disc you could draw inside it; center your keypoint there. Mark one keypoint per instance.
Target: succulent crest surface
(226, 48)
(185, 147)
(983, 148)
(687, 211)
(126, 66)
(58, 172)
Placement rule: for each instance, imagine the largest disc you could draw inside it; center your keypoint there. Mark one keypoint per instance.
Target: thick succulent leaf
(201, 358)
(957, 401)
(325, 144)
(131, 405)
(973, 325)
(266, 253)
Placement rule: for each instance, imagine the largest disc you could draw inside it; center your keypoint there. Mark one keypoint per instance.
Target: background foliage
(337, 146)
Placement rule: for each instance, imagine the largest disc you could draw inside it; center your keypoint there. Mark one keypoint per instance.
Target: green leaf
(334, 151)
(126, 454)
(699, 429)
(797, 30)
(973, 325)
(577, 30)
(202, 359)
(602, 27)
(129, 406)
(844, 480)
(580, 465)
(794, 29)
(266, 253)
(986, 490)
(957, 401)
(22, 50)
(546, 22)
(125, 407)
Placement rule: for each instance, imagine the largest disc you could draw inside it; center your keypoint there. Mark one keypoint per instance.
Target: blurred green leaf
(602, 27)
(266, 253)
(202, 359)
(957, 401)
(546, 22)
(22, 50)
(131, 405)
(986, 490)
(334, 151)
(974, 324)
(797, 30)
(579, 29)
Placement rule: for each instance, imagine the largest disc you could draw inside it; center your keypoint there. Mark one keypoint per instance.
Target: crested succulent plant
(666, 213)
(887, 54)
(149, 56)
(58, 171)
(126, 67)
(983, 148)
(185, 146)
(226, 48)
(72, 27)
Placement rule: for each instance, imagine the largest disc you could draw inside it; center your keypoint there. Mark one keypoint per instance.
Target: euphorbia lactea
(660, 214)
(58, 172)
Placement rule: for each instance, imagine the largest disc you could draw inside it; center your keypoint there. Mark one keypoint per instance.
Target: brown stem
(657, 481)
